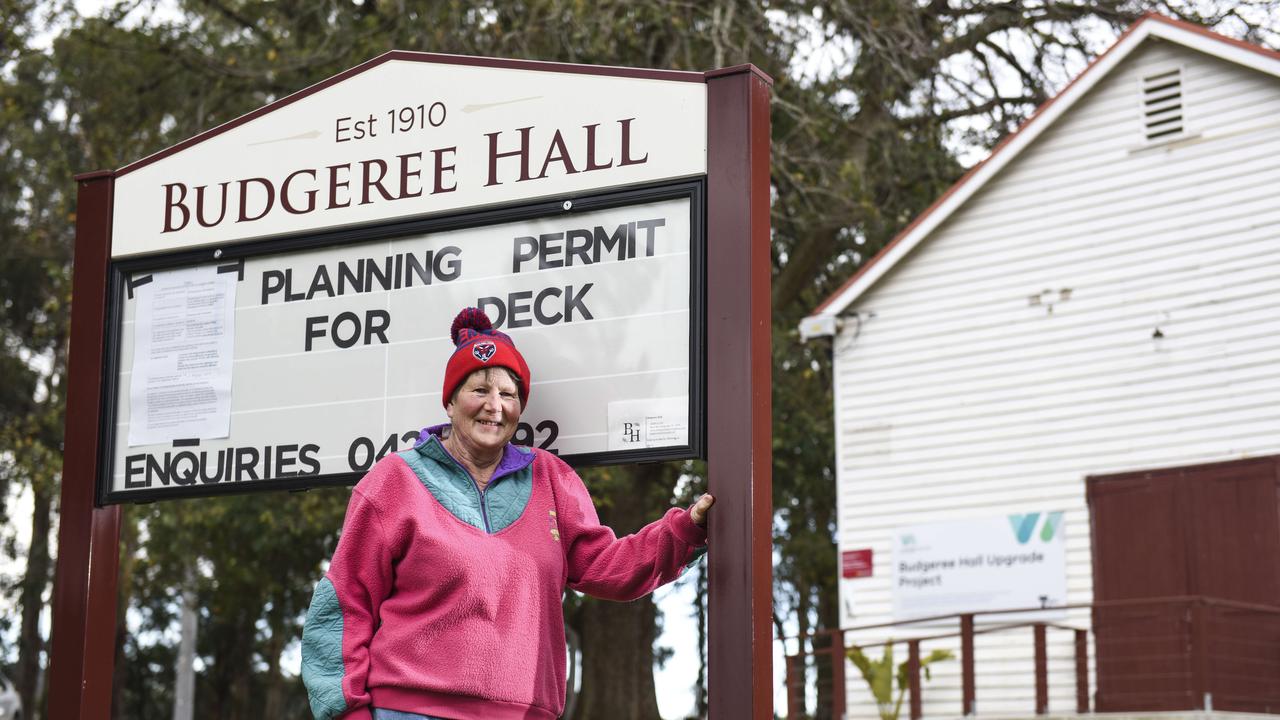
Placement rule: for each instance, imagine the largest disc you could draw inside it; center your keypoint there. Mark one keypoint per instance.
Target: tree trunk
(571, 679)
(700, 706)
(617, 638)
(273, 706)
(822, 663)
(828, 619)
(184, 672)
(230, 676)
(803, 628)
(617, 661)
(120, 673)
(30, 642)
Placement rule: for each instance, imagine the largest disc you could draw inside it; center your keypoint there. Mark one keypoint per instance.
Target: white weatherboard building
(1100, 296)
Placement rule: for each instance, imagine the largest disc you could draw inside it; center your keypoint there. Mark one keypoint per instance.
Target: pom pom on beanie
(468, 324)
(477, 346)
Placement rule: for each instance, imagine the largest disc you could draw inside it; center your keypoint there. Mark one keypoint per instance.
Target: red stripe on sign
(855, 563)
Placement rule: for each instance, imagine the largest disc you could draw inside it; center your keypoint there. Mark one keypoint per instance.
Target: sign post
(82, 647)
(739, 401)
(222, 284)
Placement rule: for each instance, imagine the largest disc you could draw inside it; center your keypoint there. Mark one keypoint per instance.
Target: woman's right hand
(698, 513)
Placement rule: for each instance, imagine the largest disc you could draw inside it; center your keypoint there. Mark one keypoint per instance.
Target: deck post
(1042, 670)
(969, 706)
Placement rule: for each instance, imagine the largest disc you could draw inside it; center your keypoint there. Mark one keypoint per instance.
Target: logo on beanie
(483, 351)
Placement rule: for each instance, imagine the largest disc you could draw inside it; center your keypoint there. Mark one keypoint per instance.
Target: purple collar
(514, 457)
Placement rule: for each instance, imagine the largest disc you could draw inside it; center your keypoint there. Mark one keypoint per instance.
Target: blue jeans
(384, 714)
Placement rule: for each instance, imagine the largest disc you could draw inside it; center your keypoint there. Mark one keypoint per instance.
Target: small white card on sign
(650, 423)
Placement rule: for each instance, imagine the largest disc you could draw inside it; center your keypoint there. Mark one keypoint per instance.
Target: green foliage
(256, 559)
(889, 684)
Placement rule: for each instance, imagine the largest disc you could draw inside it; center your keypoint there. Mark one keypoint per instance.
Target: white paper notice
(656, 422)
(181, 381)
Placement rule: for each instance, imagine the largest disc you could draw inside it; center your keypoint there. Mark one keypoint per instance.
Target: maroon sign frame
(738, 414)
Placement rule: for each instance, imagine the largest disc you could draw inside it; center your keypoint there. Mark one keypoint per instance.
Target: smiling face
(484, 410)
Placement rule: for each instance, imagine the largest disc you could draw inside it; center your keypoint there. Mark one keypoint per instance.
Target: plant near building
(881, 676)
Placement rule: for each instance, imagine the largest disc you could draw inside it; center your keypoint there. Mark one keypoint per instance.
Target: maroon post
(1082, 671)
(1042, 670)
(739, 455)
(84, 589)
(913, 679)
(966, 665)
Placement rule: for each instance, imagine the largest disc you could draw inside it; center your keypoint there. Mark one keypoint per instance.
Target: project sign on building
(282, 287)
(1007, 562)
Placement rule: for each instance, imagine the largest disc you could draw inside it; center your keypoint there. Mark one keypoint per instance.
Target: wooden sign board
(282, 290)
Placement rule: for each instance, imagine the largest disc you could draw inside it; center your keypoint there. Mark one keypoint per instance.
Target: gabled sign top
(413, 134)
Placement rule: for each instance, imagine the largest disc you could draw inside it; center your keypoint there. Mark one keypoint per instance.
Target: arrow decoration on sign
(485, 106)
(309, 135)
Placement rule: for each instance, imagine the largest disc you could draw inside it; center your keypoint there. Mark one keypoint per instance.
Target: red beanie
(479, 346)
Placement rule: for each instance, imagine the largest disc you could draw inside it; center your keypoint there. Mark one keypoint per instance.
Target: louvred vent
(1162, 105)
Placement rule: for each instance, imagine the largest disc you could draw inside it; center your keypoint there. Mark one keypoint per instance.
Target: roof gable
(822, 320)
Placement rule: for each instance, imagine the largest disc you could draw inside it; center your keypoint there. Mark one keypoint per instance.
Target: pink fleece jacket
(441, 618)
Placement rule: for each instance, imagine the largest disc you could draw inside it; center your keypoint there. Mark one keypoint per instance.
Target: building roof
(822, 321)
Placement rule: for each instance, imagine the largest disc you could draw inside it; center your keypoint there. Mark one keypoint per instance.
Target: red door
(1204, 530)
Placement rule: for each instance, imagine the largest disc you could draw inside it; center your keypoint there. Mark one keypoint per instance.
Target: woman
(443, 599)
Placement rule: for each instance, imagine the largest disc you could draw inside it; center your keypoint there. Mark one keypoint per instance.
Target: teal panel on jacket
(385, 714)
(322, 653)
(447, 481)
(504, 499)
(508, 496)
